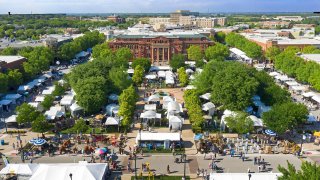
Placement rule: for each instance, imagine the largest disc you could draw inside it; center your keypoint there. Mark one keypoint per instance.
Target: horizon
(154, 6)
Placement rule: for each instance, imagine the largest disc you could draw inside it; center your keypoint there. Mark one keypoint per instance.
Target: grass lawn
(160, 178)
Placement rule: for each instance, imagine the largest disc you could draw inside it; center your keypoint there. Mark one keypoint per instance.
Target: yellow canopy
(99, 116)
(316, 134)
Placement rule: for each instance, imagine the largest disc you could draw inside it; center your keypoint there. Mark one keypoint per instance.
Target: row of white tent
(61, 171)
(290, 82)
(240, 54)
(35, 83)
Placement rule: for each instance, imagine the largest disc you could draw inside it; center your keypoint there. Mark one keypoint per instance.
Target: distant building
(159, 46)
(11, 62)
(175, 16)
(157, 20)
(116, 19)
(290, 18)
(56, 40)
(274, 24)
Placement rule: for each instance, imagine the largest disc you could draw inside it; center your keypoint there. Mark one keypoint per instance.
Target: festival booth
(48, 90)
(282, 78)
(189, 71)
(274, 73)
(169, 78)
(23, 89)
(209, 108)
(55, 113)
(76, 110)
(21, 171)
(67, 171)
(166, 100)
(155, 98)
(67, 100)
(223, 122)
(189, 87)
(5, 104)
(82, 55)
(160, 140)
(36, 105)
(206, 96)
(174, 108)
(11, 120)
(14, 98)
(161, 74)
(150, 107)
(113, 98)
(113, 121)
(112, 109)
(175, 123)
(311, 119)
(299, 89)
(130, 72)
(150, 115)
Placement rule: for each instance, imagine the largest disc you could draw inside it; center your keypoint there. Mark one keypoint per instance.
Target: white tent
(20, 169)
(174, 107)
(150, 107)
(62, 171)
(190, 87)
(112, 121)
(48, 91)
(112, 108)
(75, 108)
(206, 96)
(55, 112)
(292, 83)
(226, 113)
(23, 88)
(130, 71)
(168, 99)
(299, 88)
(257, 122)
(67, 100)
(274, 74)
(11, 119)
(150, 115)
(113, 97)
(151, 76)
(39, 99)
(316, 98)
(36, 105)
(161, 74)
(189, 71)
(175, 122)
(309, 94)
(158, 137)
(192, 77)
(283, 78)
(154, 98)
(210, 107)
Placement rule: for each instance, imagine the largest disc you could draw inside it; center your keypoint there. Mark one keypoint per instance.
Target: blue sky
(149, 6)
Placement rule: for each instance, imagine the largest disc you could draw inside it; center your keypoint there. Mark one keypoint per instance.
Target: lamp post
(135, 165)
(5, 123)
(140, 137)
(184, 157)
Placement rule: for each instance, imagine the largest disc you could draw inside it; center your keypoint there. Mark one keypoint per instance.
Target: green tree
(272, 52)
(80, 126)
(91, 93)
(26, 113)
(120, 78)
(183, 77)
(15, 78)
(124, 54)
(177, 61)
(41, 125)
(101, 50)
(47, 102)
(220, 37)
(308, 171)
(218, 51)
(240, 123)
(195, 53)
(59, 90)
(4, 83)
(143, 62)
(286, 116)
(310, 50)
(9, 51)
(127, 103)
(137, 77)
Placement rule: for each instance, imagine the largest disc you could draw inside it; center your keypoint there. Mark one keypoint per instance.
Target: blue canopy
(197, 137)
(270, 132)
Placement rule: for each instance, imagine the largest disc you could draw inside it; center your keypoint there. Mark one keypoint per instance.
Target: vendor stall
(160, 139)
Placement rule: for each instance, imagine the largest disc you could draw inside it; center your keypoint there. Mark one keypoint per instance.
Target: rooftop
(311, 57)
(10, 59)
(170, 34)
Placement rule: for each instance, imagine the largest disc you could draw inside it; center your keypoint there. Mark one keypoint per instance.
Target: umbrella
(39, 142)
(270, 132)
(100, 151)
(32, 140)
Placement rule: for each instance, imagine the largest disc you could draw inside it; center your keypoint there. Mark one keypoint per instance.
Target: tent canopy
(151, 76)
(11, 119)
(55, 112)
(154, 98)
(207, 106)
(48, 91)
(20, 169)
(158, 137)
(190, 87)
(92, 171)
(175, 122)
(12, 96)
(168, 99)
(257, 122)
(162, 74)
(111, 108)
(274, 74)
(67, 100)
(112, 121)
(113, 97)
(174, 106)
(309, 94)
(150, 115)
(75, 107)
(206, 96)
(311, 118)
(316, 98)
(150, 107)
(5, 102)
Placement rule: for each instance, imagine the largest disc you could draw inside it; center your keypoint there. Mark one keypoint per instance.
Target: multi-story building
(289, 18)
(274, 24)
(175, 16)
(159, 20)
(159, 47)
(116, 19)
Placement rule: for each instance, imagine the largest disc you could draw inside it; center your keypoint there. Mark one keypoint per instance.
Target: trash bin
(2, 142)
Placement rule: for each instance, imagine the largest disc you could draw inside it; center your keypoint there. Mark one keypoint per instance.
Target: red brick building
(159, 47)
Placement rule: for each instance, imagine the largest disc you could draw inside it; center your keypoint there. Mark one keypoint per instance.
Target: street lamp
(135, 165)
(184, 157)
(140, 137)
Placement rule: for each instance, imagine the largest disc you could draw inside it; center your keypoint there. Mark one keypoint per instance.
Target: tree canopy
(127, 103)
(183, 76)
(218, 51)
(195, 53)
(41, 125)
(272, 52)
(240, 123)
(285, 116)
(26, 113)
(308, 171)
(193, 104)
(143, 62)
(138, 75)
(177, 61)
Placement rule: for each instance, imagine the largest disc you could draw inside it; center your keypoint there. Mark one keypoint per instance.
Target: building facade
(159, 48)
(116, 19)
(11, 62)
(175, 16)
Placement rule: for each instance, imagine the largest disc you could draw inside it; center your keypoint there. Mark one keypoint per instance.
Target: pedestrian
(14, 146)
(215, 155)
(259, 168)
(168, 169)
(205, 174)
(31, 160)
(204, 157)
(263, 160)
(254, 161)
(198, 172)
(242, 158)
(202, 172)
(248, 170)
(129, 167)
(258, 161)
(130, 148)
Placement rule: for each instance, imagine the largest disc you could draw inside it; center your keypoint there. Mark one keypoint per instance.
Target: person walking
(254, 160)
(13, 146)
(168, 169)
